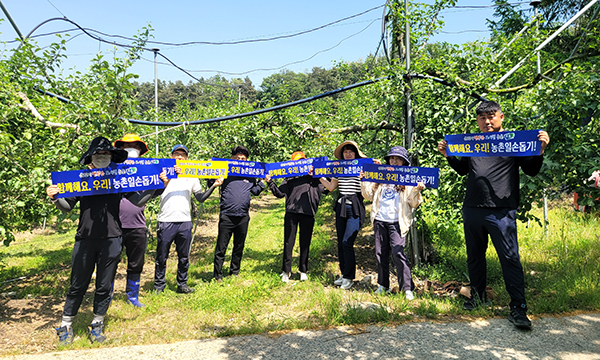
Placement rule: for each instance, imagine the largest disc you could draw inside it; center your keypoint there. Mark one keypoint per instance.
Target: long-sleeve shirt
(410, 199)
(99, 214)
(236, 194)
(302, 194)
(494, 181)
(175, 200)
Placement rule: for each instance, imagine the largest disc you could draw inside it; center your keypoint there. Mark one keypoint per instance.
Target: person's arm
(139, 198)
(62, 204)
(202, 196)
(257, 188)
(277, 191)
(329, 185)
(461, 166)
(368, 189)
(414, 195)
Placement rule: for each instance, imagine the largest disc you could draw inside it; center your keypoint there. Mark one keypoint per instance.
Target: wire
(285, 65)
(232, 42)
(50, 2)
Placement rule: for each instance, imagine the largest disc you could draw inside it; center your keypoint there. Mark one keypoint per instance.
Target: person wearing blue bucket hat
(392, 217)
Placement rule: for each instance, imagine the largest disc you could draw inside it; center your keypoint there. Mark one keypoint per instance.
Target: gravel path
(573, 338)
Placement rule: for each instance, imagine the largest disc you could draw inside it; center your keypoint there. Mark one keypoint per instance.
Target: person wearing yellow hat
(133, 223)
(349, 213)
(302, 195)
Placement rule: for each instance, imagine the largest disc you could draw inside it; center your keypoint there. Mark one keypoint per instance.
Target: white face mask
(132, 153)
(101, 160)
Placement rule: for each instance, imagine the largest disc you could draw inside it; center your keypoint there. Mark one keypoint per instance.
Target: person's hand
(268, 177)
(163, 176)
(52, 190)
(219, 181)
(177, 170)
(420, 186)
(442, 145)
(361, 175)
(377, 161)
(544, 138)
(310, 170)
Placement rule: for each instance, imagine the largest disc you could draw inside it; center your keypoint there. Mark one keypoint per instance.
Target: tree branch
(28, 106)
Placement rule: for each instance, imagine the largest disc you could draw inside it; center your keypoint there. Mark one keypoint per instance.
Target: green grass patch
(562, 274)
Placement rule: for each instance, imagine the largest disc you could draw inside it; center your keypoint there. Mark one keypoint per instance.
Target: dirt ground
(22, 321)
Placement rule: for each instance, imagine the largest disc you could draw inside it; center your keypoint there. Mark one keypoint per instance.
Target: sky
(181, 21)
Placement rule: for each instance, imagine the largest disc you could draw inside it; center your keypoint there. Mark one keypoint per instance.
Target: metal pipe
(12, 22)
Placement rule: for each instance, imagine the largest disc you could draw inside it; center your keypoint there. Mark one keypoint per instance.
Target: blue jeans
(347, 230)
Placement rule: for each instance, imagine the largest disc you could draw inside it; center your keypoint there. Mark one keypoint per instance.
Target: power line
(286, 65)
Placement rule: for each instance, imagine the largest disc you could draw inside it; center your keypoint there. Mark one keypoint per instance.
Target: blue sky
(228, 20)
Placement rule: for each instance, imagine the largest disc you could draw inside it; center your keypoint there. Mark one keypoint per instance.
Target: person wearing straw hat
(391, 217)
(133, 223)
(349, 213)
(302, 194)
(98, 242)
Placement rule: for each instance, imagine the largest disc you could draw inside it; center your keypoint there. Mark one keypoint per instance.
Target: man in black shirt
(490, 208)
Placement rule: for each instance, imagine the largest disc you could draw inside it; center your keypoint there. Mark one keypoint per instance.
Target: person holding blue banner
(98, 241)
(302, 194)
(234, 217)
(392, 217)
(349, 213)
(490, 208)
(175, 223)
(133, 224)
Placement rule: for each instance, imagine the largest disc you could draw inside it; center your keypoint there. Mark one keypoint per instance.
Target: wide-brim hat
(297, 155)
(132, 138)
(338, 150)
(101, 143)
(400, 152)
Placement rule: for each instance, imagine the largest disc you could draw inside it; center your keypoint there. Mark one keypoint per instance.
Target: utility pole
(156, 97)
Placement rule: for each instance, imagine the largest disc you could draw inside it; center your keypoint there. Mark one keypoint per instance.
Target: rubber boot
(133, 290)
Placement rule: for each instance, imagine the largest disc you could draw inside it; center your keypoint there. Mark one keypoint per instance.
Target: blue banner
(339, 168)
(291, 168)
(505, 143)
(131, 175)
(401, 175)
(250, 169)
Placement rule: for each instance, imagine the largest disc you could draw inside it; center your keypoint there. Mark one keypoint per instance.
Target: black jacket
(302, 193)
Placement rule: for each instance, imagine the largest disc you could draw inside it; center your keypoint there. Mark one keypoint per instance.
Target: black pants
(501, 225)
(238, 227)
(389, 239)
(347, 231)
(89, 254)
(291, 223)
(135, 242)
(181, 234)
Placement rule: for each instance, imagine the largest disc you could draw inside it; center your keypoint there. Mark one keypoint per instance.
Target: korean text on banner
(339, 168)
(291, 168)
(505, 143)
(401, 175)
(203, 169)
(249, 169)
(131, 175)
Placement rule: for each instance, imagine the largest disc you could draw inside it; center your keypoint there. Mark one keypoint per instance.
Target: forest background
(40, 134)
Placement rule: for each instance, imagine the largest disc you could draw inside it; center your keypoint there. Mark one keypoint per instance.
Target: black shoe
(518, 316)
(474, 302)
(65, 335)
(95, 332)
(184, 289)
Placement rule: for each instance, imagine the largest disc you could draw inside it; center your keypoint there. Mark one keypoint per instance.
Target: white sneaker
(285, 277)
(382, 290)
(303, 276)
(346, 284)
(339, 281)
(409, 295)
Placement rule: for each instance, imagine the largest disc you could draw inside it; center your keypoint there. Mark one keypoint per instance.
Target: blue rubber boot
(133, 290)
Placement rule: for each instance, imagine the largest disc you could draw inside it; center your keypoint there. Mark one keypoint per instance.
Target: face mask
(132, 153)
(101, 161)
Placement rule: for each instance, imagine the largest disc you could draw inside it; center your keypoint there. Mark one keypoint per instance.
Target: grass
(562, 274)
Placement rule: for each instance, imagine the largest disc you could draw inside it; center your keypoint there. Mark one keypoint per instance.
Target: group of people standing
(109, 222)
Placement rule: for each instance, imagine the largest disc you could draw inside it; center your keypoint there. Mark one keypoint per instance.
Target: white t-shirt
(175, 201)
(388, 204)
